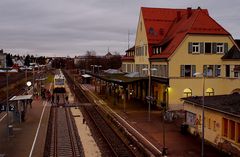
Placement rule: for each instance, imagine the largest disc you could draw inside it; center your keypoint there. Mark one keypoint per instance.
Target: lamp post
(149, 90)
(92, 68)
(203, 103)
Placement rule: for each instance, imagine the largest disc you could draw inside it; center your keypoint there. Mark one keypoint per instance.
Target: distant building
(221, 122)
(108, 55)
(128, 60)
(2, 59)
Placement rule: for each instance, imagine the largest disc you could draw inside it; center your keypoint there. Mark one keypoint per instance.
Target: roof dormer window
(151, 31)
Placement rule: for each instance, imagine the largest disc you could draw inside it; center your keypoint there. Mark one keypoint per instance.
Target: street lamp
(92, 68)
(149, 89)
(98, 66)
(203, 103)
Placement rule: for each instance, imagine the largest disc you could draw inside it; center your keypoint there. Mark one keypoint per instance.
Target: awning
(86, 76)
(21, 97)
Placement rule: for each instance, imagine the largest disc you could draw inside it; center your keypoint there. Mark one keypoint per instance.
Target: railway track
(118, 147)
(64, 139)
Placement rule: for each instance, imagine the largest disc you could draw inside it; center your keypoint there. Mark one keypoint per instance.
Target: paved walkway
(137, 116)
(28, 137)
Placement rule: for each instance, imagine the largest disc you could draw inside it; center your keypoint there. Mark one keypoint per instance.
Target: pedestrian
(52, 98)
(57, 99)
(66, 98)
(30, 102)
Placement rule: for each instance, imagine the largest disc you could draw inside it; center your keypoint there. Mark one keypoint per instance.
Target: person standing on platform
(52, 98)
(57, 99)
(66, 98)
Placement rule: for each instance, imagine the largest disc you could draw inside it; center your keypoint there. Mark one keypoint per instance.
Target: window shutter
(225, 47)
(216, 70)
(182, 71)
(193, 70)
(205, 70)
(201, 47)
(214, 47)
(190, 47)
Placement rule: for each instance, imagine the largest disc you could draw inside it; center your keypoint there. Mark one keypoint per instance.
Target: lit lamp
(149, 89)
(203, 102)
(29, 83)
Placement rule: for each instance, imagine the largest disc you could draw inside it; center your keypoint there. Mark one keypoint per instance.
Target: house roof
(237, 41)
(168, 27)
(232, 54)
(227, 104)
(131, 49)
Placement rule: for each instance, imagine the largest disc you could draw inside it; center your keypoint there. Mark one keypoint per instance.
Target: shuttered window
(190, 47)
(187, 70)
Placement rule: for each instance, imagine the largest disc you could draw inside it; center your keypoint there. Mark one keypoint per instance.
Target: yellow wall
(212, 135)
(141, 40)
(181, 56)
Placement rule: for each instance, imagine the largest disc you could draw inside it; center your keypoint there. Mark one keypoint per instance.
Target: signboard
(190, 118)
(4, 108)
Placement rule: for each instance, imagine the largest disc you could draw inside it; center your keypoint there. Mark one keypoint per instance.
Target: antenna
(128, 38)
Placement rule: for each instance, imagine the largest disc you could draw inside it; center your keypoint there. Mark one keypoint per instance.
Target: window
(208, 70)
(232, 129)
(187, 70)
(225, 127)
(236, 71)
(238, 132)
(208, 48)
(209, 123)
(187, 92)
(227, 71)
(220, 48)
(141, 26)
(210, 91)
(217, 70)
(195, 47)
(214, 126)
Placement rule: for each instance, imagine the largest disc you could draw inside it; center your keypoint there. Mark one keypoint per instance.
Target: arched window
(236, 91)
(187, 92)
(209, 91)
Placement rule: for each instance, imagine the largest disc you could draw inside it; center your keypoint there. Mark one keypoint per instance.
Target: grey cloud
(60, 27)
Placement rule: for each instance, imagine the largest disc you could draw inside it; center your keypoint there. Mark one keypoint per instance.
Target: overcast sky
(71, 27)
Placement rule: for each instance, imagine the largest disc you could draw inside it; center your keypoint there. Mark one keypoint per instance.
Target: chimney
(189, 12)
(178, 16)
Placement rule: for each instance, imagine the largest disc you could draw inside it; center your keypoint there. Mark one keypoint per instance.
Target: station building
(176, 44)
(221, 120)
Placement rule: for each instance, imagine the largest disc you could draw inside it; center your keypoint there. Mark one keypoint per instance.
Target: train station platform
(26, 138)
(136, 115)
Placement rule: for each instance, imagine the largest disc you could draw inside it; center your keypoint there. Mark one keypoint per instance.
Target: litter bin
(184, 128)
(10, 130)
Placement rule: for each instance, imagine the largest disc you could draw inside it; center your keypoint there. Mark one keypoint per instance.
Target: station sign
(4, 108)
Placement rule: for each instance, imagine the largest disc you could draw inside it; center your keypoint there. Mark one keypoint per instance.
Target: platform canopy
(21, 97)
(86, 76)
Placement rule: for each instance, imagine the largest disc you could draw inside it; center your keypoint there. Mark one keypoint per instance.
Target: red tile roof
(169, 27)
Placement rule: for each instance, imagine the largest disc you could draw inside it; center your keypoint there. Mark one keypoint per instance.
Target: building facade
(174, 44)
(221, 120)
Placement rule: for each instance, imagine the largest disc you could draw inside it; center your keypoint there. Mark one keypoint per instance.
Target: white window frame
(195, 47)
(220, 48)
